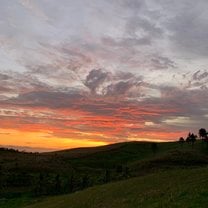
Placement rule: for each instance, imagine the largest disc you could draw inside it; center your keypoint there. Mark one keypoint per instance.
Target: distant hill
(84, 151)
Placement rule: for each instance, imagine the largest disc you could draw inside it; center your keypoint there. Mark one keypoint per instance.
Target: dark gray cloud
(49, 99)
(160, 63)
(96, 78)
(120, 88)
(119, 83)
(200, 75)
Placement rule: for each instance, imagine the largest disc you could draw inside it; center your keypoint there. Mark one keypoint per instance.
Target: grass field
(173, 188)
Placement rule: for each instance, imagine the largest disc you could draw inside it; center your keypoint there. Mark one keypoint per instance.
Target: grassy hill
(173, 188)
(122, 153)
(25, 177)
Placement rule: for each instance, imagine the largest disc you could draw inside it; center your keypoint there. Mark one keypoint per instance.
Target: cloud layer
(95, 72)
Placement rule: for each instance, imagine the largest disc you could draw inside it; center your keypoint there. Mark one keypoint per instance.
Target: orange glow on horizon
(55, 129)
(42, 140)
(45, 141)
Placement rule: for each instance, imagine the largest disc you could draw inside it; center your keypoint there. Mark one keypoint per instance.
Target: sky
(95, 72)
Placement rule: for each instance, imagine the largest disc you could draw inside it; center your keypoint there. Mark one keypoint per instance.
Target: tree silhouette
(39, 189)
(85, 181)
(191, 138)
(181, 141)
(71, 183)
(57, 184)
(1, 177)
(188, 138)
(107, 176)
(203, 134)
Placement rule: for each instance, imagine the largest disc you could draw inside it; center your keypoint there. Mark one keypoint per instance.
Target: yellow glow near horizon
(147, 140)
(41, 140)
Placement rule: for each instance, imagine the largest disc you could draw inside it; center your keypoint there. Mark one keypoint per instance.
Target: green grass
(120, 154)
(174, 188)
(15, 202)
(169, 159)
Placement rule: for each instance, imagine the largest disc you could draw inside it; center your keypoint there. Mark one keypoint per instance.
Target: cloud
(118, 83)
(199, 76)
(185, 22)
(96, 78)
(4, 77)
(78, 115)
(14, 83)
(115, 70)
(34, 8)
(47, 99)
(160, 63)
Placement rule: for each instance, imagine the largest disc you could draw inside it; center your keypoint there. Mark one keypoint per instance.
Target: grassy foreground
(173, 188)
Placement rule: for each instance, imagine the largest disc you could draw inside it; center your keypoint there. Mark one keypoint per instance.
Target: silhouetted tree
(85, 181)
(181, 141)
(191, 138)
(203, 134)
(188, 138)
(71, 183)
(107, 176)
(39, 189)
(57, 184)
(1, 178)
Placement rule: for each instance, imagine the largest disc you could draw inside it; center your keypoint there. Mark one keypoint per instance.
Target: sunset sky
(94, 72)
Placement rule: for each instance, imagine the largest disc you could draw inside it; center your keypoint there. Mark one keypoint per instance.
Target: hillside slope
(27, 176)
(175, 188)
(117, 154)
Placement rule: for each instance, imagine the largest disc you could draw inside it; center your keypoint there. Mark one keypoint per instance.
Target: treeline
(39, 184)
(11, 150)
(2, 149)
(191, 137)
